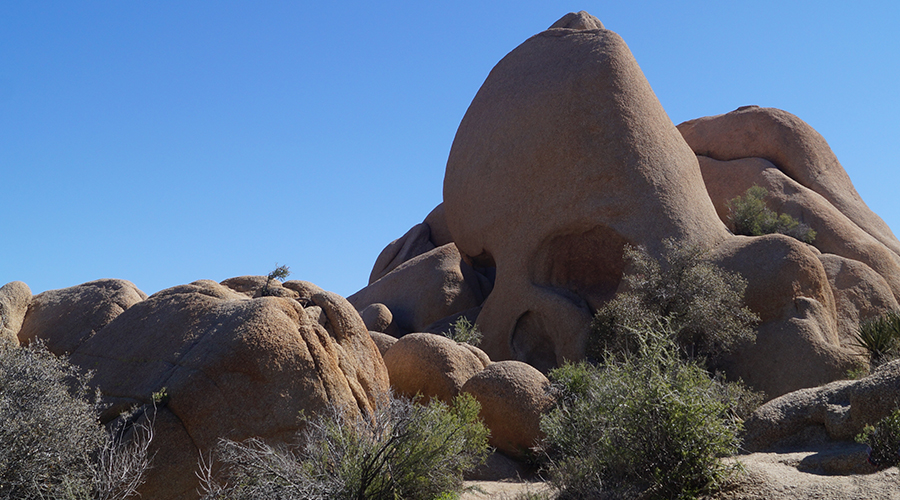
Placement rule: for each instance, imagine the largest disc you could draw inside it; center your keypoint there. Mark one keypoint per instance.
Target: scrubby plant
(404, 450)
(647, 423)
(749, 215)
(51, 442)
(880, 336)
(883, 440)
(686, 294)
(280, 273)
(464, 331)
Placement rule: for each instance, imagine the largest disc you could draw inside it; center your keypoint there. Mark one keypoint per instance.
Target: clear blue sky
(164, 142)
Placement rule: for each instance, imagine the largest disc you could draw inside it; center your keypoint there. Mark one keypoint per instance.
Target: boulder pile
(564, 157)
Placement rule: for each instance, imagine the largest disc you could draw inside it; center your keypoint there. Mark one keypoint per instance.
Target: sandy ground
(835, 471)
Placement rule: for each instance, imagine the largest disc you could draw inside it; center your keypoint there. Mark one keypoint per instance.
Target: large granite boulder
(232, 366)
(797, 150)
(425, 289)
(837, 411)
(66, 318)
(564, 156)
(432, 366)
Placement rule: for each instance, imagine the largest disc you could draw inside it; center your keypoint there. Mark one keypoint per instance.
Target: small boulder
(431, 365)
(15, 297)
(513, 396)
(378, 318)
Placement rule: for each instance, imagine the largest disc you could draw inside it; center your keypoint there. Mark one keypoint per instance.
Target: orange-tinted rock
(794, 148)
(431, 365)
(15, 297)
(835, 232)
(513, 396)
(233, 367)
(564, 156)
(69, 317)
(425, 289)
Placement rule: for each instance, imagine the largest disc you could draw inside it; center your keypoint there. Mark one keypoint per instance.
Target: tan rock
(836, 233)
(431, 365)
(437, 223)
(564, 156)
(860, 294)
(425, 289)
(382, 341)
(797, 342)
(836, 411)
(580, 20)
(513, 396)
(233, 367)
(378, 318)
(69, 317)
(415, 242)
(795, 149)
(15, 297)
(259, 286)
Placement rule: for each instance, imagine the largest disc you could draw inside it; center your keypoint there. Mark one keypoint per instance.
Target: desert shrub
(880, 336)
(686, 294)
(647, 423)
(883, 440)
(280, 273)
(748, 215)
(403, 451)
(465, 331)
(51, 442)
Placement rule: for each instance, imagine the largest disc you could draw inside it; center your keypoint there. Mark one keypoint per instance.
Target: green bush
(404, 451)
(648, 423)
(465, 331)
(883, 440)
(51, 442)
(698, 301)
(748, 215)
(880, 337)
(280, 273)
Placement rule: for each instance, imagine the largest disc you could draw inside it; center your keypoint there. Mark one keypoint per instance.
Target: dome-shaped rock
(564, 156)
(513, 396)
(431, 365)
(68, 317)
(233, 367)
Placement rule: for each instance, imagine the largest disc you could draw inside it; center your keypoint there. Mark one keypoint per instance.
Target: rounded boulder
(431, 365)
(513, 396)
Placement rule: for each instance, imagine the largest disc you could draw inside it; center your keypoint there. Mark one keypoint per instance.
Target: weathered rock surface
(15, 297)
(67, 318)
(431, 365)
(232, 366)
(378, 318)
(427, 288)
(564, 156)
(836, 411)
(836, 233)
(513, 396)
(795, 149)
(860, 294)
(383, 341)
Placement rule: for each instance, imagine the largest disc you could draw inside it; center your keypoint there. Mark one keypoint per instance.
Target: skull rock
(564, 156)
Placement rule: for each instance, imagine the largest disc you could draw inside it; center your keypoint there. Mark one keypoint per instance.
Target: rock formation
(15, 297)
(234, 362)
